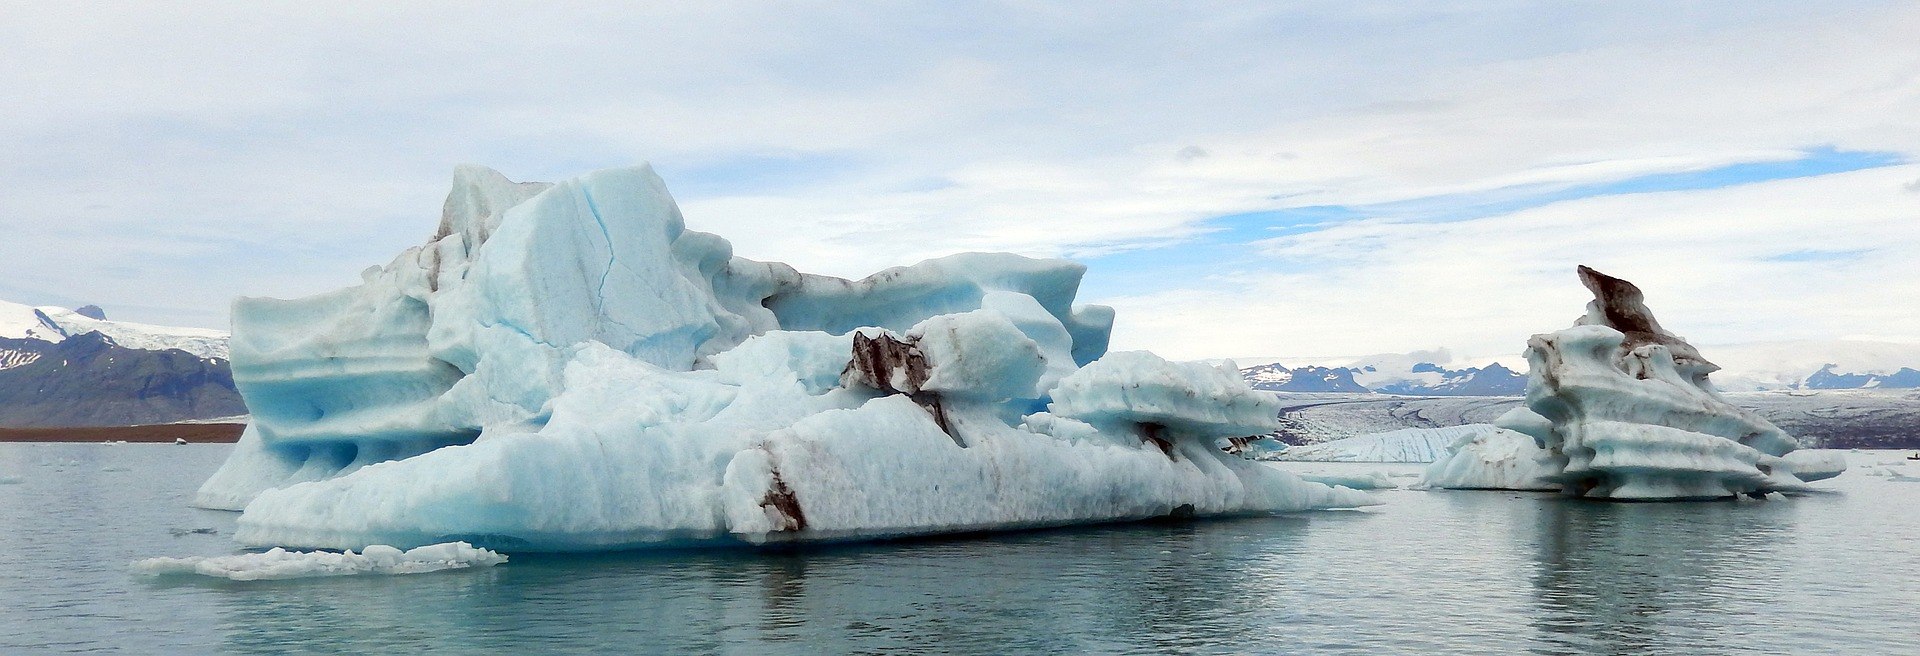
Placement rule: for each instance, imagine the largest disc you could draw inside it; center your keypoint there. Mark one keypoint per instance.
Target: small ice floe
(277, 563)
(12, 480)
(181, 532)
(115, 468)
(179, 440)
(1901, 478)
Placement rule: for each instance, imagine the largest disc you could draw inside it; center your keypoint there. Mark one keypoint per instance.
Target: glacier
(567, 367)
(1617, 407)
(1403, 445)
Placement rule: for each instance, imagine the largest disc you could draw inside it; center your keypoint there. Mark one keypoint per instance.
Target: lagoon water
(1427, 573)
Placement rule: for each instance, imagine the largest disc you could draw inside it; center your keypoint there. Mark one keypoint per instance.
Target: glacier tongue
(1620, 408)
(566, 367)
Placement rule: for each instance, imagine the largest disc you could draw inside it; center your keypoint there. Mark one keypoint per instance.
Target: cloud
(171, 158)
(1708, 259)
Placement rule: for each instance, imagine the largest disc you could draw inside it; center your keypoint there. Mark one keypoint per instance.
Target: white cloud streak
(1709, 261)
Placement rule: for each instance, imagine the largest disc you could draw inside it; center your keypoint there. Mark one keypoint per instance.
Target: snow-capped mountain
(1277, 377)
(1810, 364)
(61, 368)
(53, 324)
(1755, 367)
(1420, 373)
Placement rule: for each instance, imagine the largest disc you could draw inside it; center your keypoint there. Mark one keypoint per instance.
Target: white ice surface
(278, 563)
(567, 367)
(1816, 464)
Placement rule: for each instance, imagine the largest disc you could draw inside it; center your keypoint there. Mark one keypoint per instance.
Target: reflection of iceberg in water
(1158, 588)
(1619, 408)
(1652, 578)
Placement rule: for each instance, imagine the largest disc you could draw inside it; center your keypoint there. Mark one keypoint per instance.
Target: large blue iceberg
(566, 367)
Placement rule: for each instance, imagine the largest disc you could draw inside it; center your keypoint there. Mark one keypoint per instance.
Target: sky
(1242, 179)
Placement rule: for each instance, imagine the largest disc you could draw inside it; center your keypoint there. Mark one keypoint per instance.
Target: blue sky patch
(1818, 256)
(1222, 245)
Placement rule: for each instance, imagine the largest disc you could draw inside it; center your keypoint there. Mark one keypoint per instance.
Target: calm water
(1429, 573)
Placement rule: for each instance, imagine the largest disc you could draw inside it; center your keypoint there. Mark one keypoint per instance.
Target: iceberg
(1619, 408)
(567, 367)
(277, 563)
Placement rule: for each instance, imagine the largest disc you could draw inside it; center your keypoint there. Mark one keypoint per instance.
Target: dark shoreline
(192, 433)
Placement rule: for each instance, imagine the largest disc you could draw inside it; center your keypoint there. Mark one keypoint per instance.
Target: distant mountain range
(1767, 366)
(64, 368)
(1420, 379)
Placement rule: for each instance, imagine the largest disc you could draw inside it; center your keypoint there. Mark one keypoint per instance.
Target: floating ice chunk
(1813, 465)
(12, 480)
(279, 563)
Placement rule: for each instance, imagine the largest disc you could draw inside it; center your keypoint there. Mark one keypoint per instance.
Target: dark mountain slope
(87, 380)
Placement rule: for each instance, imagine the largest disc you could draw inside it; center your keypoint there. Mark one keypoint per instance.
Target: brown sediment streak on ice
(784, 505)
(1624, 307)
(877, 359)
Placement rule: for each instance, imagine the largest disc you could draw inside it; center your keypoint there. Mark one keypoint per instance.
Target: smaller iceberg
(277, 563)
(1619, 408)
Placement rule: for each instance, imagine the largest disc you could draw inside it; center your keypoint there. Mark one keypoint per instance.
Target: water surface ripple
(1428, 573)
